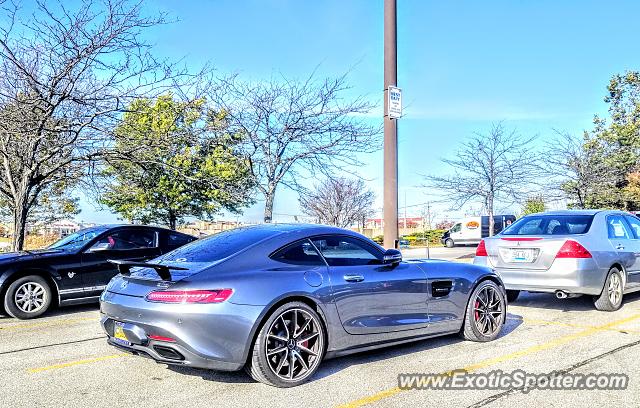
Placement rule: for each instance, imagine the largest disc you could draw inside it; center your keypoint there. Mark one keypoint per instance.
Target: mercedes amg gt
(278, 299)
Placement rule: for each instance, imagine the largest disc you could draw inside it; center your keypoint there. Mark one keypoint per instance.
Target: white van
(469, 231)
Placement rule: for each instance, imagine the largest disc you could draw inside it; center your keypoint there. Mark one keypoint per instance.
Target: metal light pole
(390, 129)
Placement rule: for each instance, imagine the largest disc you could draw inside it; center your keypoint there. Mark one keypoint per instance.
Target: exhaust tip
(560, 294)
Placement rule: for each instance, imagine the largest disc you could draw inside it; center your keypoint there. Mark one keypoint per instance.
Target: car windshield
(218, 246)
(548, 224)
(77, 239)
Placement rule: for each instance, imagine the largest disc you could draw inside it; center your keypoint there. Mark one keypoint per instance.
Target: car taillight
(482, 249)
(162, 338)
(573, 249)
(190, 296)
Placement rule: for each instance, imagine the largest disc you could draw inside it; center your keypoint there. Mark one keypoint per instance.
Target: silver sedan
(569, 253)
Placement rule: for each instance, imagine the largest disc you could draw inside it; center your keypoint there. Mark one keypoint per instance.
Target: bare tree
(65, 77)
(340, 202)
(297, 129)
(428, 215)
(575, 167)
(497, 167)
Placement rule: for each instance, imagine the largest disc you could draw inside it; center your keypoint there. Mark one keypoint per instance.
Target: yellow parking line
(49, 323)
(74, 363)
(496, 360)
(576, 326)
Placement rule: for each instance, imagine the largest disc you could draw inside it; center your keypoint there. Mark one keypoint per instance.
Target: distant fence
(374, 232)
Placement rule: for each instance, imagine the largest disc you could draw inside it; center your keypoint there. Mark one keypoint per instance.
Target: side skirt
(383, 344)
(79, 301)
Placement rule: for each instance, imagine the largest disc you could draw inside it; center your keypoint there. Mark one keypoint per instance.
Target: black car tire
(259, 366)
(470, 329)
(449, 243)
(604, 301)
(43, 291)
(512, 295)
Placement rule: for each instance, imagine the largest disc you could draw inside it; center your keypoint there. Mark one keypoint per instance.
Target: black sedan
(76, 268)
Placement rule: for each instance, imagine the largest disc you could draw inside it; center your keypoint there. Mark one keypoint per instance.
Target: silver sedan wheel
(30, 297)
(615, 289)
(294, 344)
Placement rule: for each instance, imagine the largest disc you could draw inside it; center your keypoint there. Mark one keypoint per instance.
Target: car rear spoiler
(124, 267)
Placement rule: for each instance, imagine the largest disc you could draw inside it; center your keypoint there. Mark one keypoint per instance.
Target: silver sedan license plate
(524, 255)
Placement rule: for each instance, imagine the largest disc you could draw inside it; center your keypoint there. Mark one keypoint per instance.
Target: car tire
(610, 299)
(512, 295)
(27, 297)
(289, 346)
(486, 312)
(449, 243)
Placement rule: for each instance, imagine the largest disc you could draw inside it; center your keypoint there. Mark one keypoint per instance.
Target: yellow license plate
(118, 334)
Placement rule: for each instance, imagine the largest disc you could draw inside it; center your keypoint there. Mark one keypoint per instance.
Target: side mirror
(100, 246)
(392, 257)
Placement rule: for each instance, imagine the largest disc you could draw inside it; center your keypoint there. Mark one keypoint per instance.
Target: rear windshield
(550, 225)
(218, 246)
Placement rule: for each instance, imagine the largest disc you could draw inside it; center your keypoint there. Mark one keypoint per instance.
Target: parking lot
(63, 358)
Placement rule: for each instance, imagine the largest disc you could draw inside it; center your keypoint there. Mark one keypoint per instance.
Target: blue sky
(462, 65)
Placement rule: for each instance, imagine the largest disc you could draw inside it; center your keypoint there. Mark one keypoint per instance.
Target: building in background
(60, 228)
(203, 228)
(408, 222)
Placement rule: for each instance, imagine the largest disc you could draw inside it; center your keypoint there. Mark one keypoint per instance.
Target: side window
(175, 240)
(300, 253)
(346, 251)
(456, 228)
(635, 225)
(127, 239)
(617, 227)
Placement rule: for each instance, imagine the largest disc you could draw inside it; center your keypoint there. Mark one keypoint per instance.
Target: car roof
(285, 227)
(308, 228)
(288, 233)
(569, 212)
(106, 227)
(581, 212)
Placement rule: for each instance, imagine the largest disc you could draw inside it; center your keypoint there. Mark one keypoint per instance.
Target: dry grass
(33, 241)
(39, 241)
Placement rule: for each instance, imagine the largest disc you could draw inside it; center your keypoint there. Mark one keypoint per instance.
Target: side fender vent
(441, 288)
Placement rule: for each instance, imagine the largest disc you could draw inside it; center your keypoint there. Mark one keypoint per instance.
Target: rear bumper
(579, 276)
(213, 336)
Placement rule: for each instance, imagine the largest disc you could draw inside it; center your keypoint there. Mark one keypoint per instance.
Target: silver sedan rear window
(550, 225)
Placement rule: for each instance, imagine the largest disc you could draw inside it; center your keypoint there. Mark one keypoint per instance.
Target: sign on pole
(395, 103)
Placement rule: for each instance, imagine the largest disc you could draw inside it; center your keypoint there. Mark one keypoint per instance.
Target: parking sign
(394, 106)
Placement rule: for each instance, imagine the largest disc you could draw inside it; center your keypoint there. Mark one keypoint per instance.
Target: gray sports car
(278, 299)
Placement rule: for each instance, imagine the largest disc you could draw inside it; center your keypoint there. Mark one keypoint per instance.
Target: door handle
(353, 278)
(620, 247)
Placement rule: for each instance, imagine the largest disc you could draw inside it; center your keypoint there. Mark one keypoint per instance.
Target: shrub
(421, 238)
